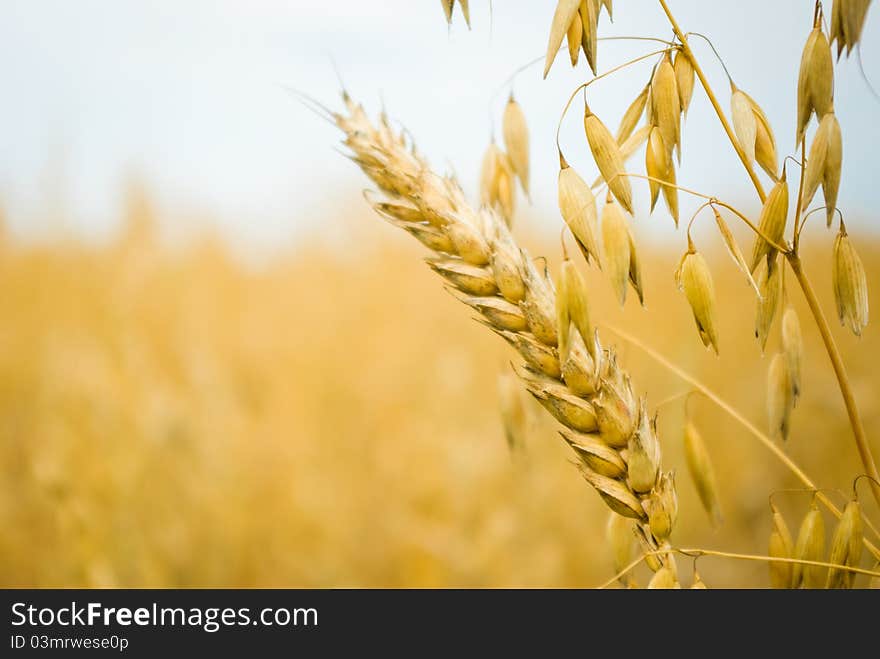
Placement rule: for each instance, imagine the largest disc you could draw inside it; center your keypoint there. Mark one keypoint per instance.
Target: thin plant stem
(840, 371)
(748, 425)
(718, 57)
(698, 552)
(782, 248)
(599, 77)
(714, 101)
(800, 199)
(795, 263)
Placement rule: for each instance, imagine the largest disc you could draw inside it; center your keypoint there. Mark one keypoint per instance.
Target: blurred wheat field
(172, 417)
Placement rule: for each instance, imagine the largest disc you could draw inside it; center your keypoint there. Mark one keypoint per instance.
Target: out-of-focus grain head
(780, 546)
(514, 413)
(663, 579)
(771, 224)
(846, 547)
(694, 278)
(849, 283)
(793, 349)
(702, 472)
(606, 153)
(847, 22)
(780, 397)
(619, 535)
(810, 546)
(516, 141)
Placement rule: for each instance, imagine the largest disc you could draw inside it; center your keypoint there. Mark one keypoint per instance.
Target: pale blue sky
(188, 94)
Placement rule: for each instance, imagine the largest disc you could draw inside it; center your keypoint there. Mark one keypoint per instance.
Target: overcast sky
(188, 94)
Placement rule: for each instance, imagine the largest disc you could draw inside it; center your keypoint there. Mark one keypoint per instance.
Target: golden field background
(172, 417)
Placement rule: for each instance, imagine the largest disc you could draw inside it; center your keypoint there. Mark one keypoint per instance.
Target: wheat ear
(579, 383)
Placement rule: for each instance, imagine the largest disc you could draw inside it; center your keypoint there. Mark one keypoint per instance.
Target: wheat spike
(598, 408)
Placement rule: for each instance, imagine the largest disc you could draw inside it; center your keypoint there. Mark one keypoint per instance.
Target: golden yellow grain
(516, 140)
(780, 399)
(694, 278)
(774, 215)
(849, 284)
(810, 546)
(780, 546)
(643, 458)
(577, 204)
(770, 287)
(793, 349)
(606, 153)
(702, 471)
(562, 18)
(684, 79)
(846, 546)
(631, 117)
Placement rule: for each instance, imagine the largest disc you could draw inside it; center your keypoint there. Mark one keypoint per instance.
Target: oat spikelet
(632, 115)
(702, 472)
(665, 102)
(616, 248)
(606, 153)
(847, 21)
(846, 547)
(516, 140)
(589, 14)
(745, 123)
(772, 222)
(793, 349)
(684, 79)
(810, 546)
(815, 81)
(849, 283)
(587, 392)
(497, 186)
(765, 141)
(572, 309)
(780, 546)
(693, 277)
(733, 249)
(824, 164)
(562, 18)
(573, 38)
(770, 287)
(657, 163)
(780, 399)
(577, 204)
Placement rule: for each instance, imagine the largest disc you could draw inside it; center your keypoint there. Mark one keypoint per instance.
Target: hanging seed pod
(810, 546)
(780, 546)
(793, 349)
(657, 163)
(663, 579)
(684, 79)
(608, 158)
(733, 249)
(770, 288)
(572, 308)
(562, 18)
(489, 174)
(847, 21)
(607, 4)
(573, 37)
(765, 142)
(643, 460)
(589, 14)
(632, 115)
(693, 277)
(745, 124)
(702, 472)
(662, 507)
(849, 283)
(824, 164)
(815, 80)
(618, 533)
(772, 221)
(635, 272)
(665, 103)
(616, 248)
(780, 399)
(514, 414)
(846, 547)
(670, 193)
(447, 9)
(578, 207)
(516, 139)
